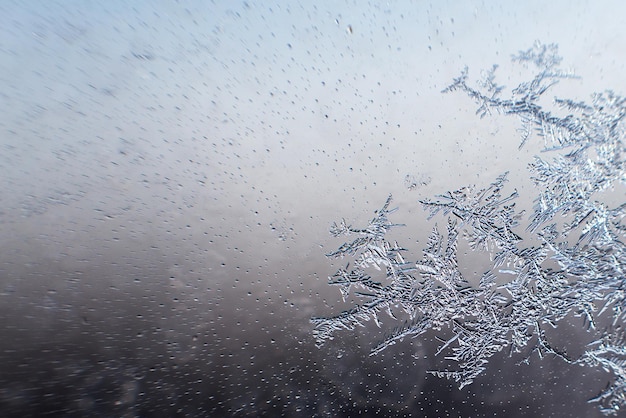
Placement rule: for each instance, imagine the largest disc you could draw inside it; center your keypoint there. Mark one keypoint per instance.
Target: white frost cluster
(519, 297)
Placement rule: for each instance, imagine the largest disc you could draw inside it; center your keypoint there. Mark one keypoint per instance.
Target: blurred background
(170, 170)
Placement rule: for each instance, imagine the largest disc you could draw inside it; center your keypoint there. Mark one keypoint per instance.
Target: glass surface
(171, 171)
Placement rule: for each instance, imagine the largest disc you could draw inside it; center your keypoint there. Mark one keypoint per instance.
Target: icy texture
(519, 297)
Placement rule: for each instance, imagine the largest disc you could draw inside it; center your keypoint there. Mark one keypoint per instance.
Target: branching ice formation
(520, 296)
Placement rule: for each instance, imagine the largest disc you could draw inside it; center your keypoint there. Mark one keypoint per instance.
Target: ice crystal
(522, 294)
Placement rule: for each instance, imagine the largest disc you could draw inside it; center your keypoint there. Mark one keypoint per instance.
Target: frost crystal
(522, 294)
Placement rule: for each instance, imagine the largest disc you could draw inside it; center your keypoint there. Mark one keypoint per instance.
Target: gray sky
(171, 169)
